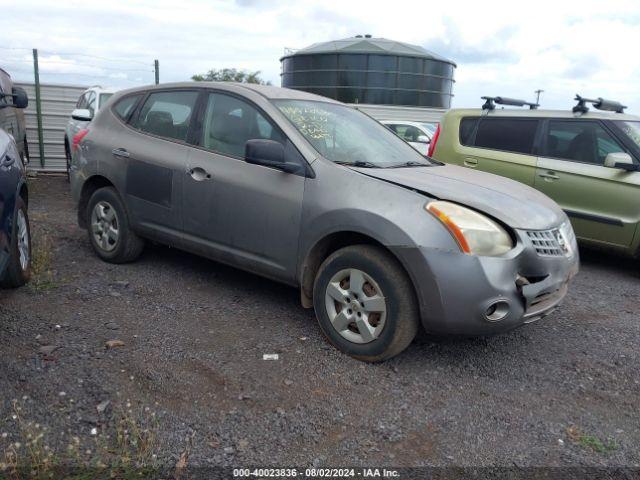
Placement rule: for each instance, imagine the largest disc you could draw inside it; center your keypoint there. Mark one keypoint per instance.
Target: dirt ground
(188, 384)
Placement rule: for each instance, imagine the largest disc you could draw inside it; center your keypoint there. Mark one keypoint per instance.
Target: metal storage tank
(370, 70)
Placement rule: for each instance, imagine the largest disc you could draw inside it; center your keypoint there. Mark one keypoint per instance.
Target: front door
(602, 202)
(155, 154)
(240, 213)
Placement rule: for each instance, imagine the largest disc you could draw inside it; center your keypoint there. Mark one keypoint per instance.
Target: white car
(91, 100)
(417, 134)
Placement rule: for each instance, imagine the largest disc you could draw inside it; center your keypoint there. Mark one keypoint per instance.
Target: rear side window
(125, 106)
(467, 129)
(507, 134)
(167, 114)
(103, 99)
(230, 122)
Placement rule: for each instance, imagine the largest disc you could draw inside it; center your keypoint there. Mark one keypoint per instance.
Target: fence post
(36, 74)
(156, 67)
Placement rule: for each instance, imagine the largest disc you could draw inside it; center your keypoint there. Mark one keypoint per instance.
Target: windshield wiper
(359, 163)
(410, 163)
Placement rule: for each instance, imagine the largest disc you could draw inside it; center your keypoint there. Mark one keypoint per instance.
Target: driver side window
(230, 122)
(91, 103)
(82, 101)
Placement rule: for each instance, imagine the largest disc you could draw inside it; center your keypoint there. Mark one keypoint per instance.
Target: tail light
(434, 140)
(77, 138)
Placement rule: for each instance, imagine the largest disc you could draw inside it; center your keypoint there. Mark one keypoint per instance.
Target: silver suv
(310, 192)
(91, 100)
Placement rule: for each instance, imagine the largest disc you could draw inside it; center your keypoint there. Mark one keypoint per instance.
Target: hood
(511, 202)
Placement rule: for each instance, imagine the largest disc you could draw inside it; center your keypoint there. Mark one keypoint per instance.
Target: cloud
(452, 45)
(498, 49)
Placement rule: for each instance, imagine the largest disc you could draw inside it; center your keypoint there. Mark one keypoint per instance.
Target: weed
(123, 448)
(590, 441)
(41, 265)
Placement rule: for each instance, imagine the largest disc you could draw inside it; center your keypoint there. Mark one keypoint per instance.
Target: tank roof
(369, 45)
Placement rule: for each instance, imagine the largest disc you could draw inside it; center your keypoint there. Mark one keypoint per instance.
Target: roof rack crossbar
(490, 103)
(599, 103)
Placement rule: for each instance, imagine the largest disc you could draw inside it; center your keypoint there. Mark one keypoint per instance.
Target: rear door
(602, 202)
(500, 145)
(154, 151)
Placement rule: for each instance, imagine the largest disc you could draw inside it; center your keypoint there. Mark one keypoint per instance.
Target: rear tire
(365, 303)
(19, 268)
(109, 229)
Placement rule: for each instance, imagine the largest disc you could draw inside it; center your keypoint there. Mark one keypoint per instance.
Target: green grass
(591, 442)
(597, 445)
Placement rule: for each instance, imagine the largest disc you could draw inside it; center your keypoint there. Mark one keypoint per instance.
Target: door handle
(199, 174)
(471, 162)
(120, 152)
(549, 176)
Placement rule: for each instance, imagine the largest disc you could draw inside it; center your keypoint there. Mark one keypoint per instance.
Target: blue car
(15, 237)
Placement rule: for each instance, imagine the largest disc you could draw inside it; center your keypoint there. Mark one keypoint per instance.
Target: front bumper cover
(455, 290)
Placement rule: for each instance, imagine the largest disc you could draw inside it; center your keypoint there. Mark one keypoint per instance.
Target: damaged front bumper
(473, 295)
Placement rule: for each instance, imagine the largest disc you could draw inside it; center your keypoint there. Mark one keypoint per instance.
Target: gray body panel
(267, 221)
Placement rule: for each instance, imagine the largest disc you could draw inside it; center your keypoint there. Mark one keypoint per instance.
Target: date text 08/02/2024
(316, 472)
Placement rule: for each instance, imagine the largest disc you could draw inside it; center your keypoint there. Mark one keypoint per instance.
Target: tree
(230, 75)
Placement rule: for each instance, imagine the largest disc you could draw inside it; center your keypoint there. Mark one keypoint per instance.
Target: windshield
(104, 97)
(344, 135)
(632, 130)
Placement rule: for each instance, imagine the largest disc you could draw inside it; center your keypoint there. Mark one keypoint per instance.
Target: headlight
(476, 234)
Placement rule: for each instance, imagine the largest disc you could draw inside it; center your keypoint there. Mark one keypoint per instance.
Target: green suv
(587, 161)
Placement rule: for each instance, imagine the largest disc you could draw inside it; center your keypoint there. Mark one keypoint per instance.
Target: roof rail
(490, 102)
(599, 103)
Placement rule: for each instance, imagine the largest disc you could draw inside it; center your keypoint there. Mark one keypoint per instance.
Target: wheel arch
(92, 184)
(329, 244)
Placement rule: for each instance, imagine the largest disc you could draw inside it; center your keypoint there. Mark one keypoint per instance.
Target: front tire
(19, 269)
(365, 303)
(109, 229)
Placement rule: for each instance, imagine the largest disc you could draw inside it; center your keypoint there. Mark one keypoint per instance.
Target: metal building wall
(401, 113)
(57, 102)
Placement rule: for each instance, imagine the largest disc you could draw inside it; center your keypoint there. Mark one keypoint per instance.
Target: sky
(500, 48)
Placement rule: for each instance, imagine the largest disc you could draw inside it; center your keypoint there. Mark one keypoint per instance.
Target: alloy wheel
(104, 226)
(23, 241)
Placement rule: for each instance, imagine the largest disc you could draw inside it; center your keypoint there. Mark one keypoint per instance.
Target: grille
(550, 243)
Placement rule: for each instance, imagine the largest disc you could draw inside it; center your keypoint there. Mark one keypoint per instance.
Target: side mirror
(268, 153)
(620, 160)
(82, 114)
(20, 98)
(423, 139)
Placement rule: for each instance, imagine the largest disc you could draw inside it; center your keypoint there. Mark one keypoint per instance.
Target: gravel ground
(562, 392)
